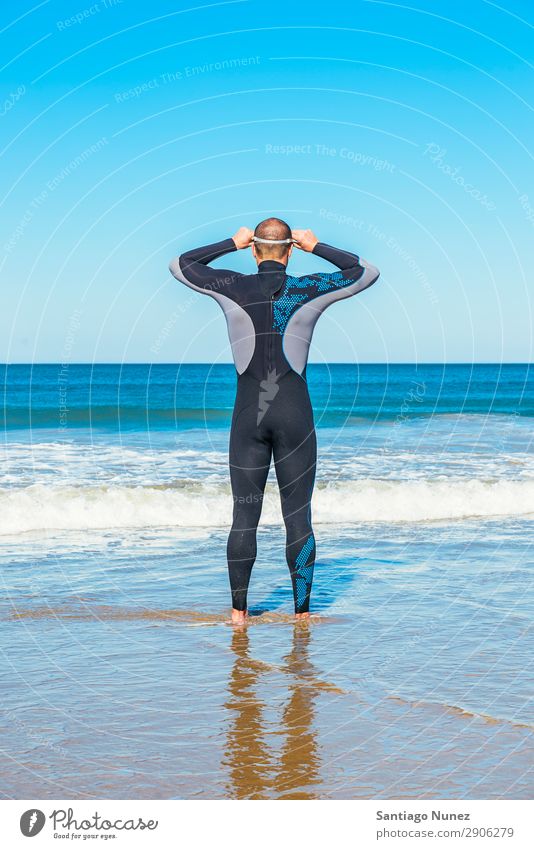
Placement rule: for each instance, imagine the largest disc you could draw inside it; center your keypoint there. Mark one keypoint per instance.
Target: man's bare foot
(239, 617)
(302, 615)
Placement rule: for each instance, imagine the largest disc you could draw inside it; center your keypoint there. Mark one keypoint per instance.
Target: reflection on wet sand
(299, 763)
(256, 771)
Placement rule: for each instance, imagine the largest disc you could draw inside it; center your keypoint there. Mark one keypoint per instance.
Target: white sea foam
(192, 504)
(73, 464)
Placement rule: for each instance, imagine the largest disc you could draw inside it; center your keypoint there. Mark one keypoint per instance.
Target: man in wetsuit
(271, 317)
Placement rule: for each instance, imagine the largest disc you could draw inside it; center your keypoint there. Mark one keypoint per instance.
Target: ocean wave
(113, 416)
(189, 504)
(144, 418)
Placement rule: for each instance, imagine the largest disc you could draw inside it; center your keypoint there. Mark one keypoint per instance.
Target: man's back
(271, 315)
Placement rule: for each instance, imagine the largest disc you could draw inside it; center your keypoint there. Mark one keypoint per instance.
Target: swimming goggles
(272, 241)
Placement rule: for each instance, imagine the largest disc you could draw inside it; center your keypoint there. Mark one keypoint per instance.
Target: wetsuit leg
(250, 458)
(295, 454)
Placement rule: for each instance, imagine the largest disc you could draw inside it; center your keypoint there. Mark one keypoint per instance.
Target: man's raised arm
(355, 274)
(192, 267)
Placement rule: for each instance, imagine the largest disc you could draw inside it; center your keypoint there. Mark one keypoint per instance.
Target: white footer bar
(425, 824)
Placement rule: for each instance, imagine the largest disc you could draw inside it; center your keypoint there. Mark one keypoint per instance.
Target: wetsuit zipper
(270, 358)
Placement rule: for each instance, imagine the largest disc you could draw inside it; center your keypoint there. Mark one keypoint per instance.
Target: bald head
(272, 229)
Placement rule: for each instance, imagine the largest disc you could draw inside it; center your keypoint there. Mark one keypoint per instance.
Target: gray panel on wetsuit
(298, 333)
(240, 326)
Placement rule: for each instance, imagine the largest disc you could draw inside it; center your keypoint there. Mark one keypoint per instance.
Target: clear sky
(132, 131)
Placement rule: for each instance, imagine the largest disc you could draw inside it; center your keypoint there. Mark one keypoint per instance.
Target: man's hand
(243, 238)
(304, 239)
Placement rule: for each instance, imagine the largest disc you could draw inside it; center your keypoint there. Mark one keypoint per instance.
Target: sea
(121, 676)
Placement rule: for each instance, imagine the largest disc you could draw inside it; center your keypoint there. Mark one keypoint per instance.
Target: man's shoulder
(314, 284)
(236, 286)
(225, 282)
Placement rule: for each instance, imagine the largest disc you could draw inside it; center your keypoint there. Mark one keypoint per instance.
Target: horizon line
(330, 363)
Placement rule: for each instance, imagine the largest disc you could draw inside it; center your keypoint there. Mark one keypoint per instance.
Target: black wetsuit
(271, 316)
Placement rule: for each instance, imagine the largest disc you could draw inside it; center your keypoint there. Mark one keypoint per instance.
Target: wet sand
(403, 686)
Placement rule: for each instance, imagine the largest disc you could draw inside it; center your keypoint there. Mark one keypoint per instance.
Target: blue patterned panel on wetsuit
(284, 308)
(304, 575)
(304, 552)
(320, 282)
(300, 289)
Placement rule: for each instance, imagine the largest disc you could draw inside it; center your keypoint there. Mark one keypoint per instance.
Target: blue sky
(130, 132)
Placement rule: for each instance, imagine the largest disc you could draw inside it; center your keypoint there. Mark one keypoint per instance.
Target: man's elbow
(175, 268)
(371, 273)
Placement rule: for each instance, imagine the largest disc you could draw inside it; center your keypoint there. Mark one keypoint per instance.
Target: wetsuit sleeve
(354, 276)
(308, 297)
(192, 268)
(225, 287)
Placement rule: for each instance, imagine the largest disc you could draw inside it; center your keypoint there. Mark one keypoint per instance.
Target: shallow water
(120, 676)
